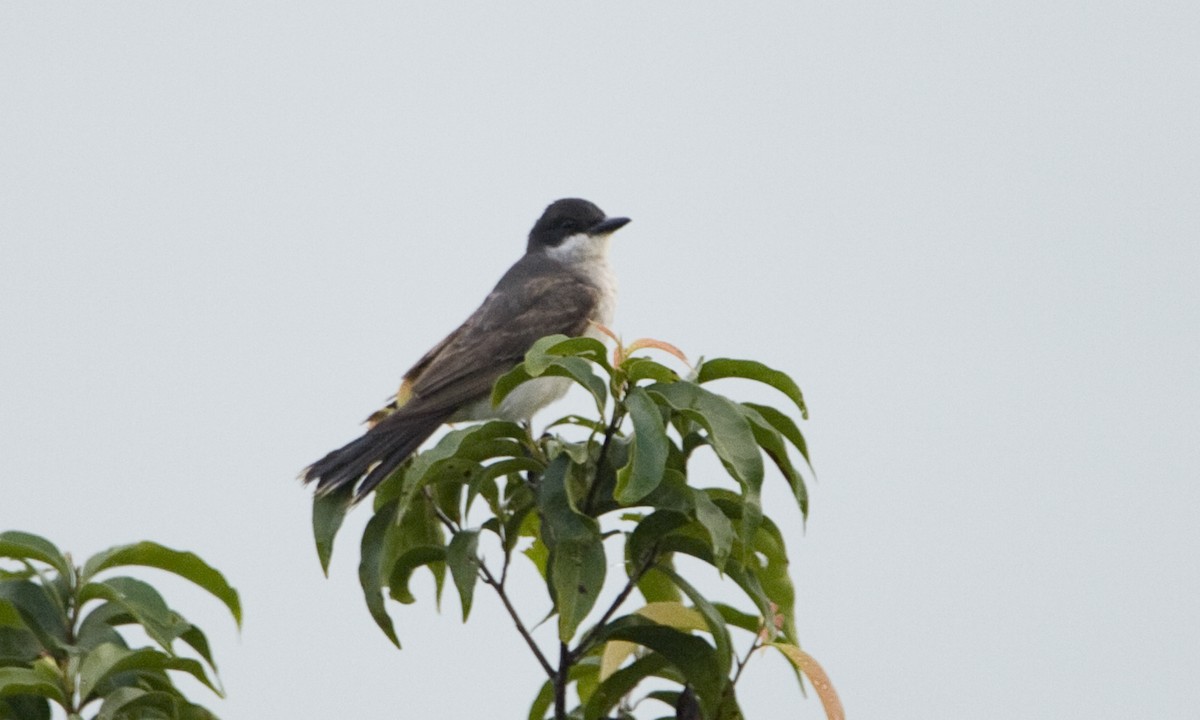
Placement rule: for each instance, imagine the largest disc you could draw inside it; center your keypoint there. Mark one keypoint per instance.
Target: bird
(563, 284)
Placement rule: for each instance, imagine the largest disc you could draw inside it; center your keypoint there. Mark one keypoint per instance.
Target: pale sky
(971, 232)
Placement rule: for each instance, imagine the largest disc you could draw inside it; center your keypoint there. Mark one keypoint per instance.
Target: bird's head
(572, 228)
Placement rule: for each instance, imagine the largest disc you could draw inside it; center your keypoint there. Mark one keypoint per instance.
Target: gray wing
(537, 297)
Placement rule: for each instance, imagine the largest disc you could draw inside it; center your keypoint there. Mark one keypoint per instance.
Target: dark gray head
(567, 217)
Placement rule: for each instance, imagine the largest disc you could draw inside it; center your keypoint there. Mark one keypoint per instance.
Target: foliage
(60, 638)
(557, 500)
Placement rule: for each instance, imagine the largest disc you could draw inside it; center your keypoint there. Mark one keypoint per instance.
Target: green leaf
(40, 609)
(25, 681)
(184, 564)
(665, 532)
(579, 421)
(418, 526)
(143, 603)
(198, 641)
(573, 368)
(774, 576)
(542, 702)
(463, 559)
(772, 444)
(544, 352)
(407, 563)
(328, 511)
(24, 707)
(786, 427)
(370, 567)
(744, 620)
(98, 626)
(558, 356)
(645, 540)
(752, 370)
(643, 368)
(648, 454)
(106, 661)
(125, 703)
(577, 559)
(730, 436)
(18, 646)
(447, 493)
(712, 618)
(539, 555)
(692, 656)
(585, 673)
(27, 546)
(579, 673)
(10, 617)
(718, 526)
(673, 493)
(474, 443)
(121, 699)
(508, 382)
(655, 586)
(520, 520)
(485, 482)
(621, 683)
(577, 569)
(148, 704)
(459, 453)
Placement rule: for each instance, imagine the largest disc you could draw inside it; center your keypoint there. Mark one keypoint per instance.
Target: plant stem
(560, 682)
(741, 662)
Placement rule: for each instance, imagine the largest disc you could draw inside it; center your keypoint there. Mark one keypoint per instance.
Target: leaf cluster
(559, 501)
(61, 639)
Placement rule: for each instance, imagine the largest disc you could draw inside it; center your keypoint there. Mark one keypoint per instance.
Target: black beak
(607, 226)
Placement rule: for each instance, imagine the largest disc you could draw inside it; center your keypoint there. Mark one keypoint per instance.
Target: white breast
(604, 278)
(588, 255)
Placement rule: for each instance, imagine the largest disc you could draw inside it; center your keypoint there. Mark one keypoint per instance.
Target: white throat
(588, 255)
(581, 249)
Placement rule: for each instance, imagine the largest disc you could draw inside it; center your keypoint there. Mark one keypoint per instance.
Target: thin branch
(741, 662)
(498, 586)
(589, 639)
(490, 579)
(507, 558)
(441, 514)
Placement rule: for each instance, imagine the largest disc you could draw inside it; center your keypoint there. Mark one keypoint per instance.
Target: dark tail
(372, 457)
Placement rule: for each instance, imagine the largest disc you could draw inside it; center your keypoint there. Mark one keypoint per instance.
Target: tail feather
(372, 457)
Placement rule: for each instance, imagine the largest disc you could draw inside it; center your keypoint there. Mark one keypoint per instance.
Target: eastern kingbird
(562, 284)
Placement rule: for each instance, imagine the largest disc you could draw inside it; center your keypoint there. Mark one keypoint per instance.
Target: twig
(741, 662)
(507, 558)
(587, 641)
(498, 586)
(590, 501)
(490, 579)
(441, 514)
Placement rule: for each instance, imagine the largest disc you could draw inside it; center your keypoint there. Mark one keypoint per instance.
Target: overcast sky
(971, 231)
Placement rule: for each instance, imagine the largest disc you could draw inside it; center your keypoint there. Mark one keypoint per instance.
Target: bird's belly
(520, 404)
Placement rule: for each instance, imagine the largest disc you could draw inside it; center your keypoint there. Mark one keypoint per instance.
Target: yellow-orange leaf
(615, 652)
(657, 345)
(815, 673)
